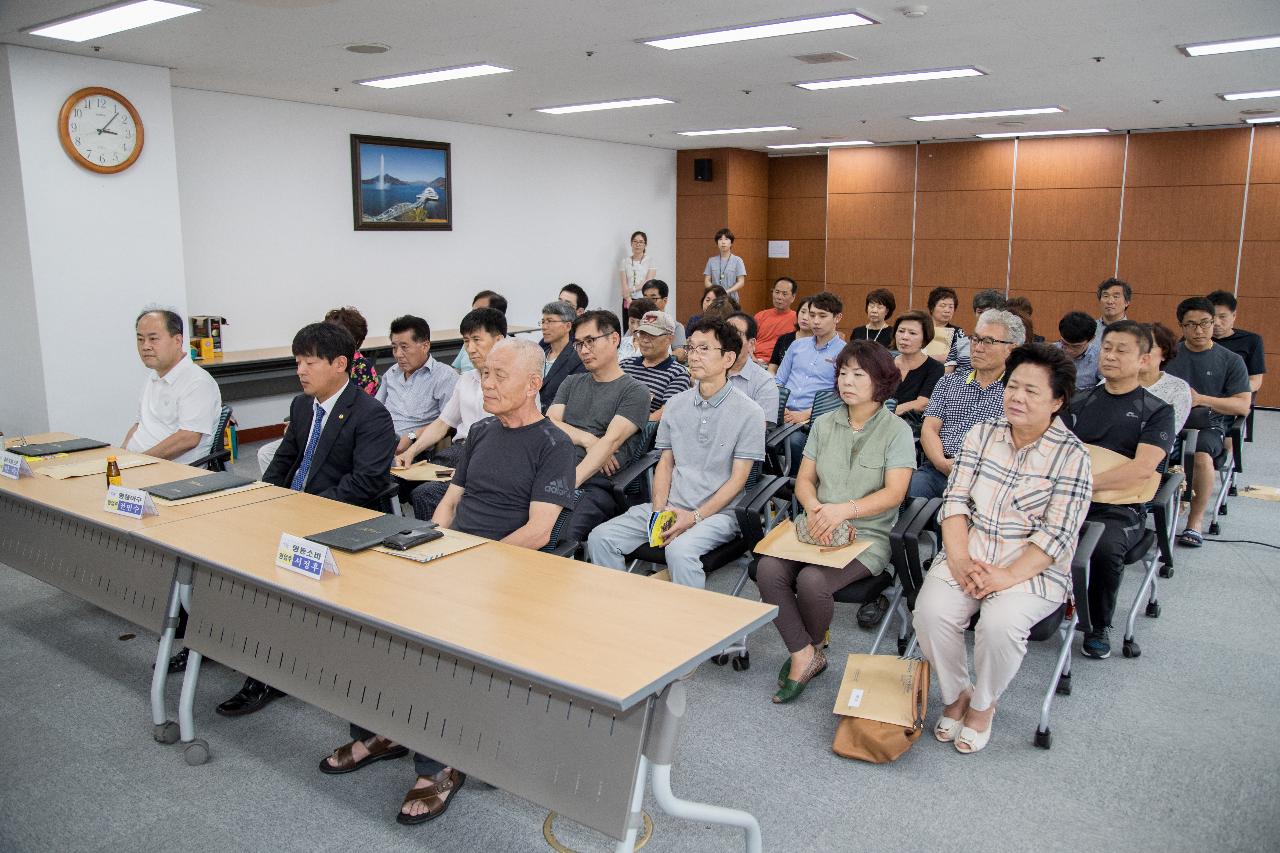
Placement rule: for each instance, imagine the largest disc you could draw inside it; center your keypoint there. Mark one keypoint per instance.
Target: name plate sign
(134, 503)
(15, 466)
(305, 557)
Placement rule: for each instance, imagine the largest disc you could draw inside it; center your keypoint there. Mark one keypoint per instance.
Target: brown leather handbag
(881, 742)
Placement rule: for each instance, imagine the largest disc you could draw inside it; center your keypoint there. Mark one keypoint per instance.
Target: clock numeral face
(102, 131)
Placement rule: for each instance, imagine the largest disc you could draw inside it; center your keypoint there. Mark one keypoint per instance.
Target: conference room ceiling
(1036, 53)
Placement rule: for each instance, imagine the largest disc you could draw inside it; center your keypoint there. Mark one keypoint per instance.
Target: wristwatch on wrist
(413, 436)
(697, 516)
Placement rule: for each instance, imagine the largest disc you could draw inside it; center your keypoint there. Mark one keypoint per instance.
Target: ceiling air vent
(825, 58)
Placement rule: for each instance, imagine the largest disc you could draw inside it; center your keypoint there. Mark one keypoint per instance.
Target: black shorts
(1210, 441)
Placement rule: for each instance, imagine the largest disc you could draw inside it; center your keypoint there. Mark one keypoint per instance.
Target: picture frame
(401, 184)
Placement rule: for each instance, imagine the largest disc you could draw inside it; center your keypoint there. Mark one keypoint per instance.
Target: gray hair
(172, 319)
(561, 309)
(1012, 323)
(524, 352)
(988, 299)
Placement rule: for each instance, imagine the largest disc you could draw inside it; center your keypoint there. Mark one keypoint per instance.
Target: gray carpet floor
(1172, 751)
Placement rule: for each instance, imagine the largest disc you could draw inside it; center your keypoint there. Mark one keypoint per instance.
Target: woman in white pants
(1010, 517)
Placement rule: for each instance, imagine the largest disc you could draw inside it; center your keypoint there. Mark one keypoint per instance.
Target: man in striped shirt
(961, 400)
(655, 367)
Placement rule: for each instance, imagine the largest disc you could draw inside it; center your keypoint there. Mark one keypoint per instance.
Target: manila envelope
(1103, 459)
(781, 542)
(423, 472)
(878, 687)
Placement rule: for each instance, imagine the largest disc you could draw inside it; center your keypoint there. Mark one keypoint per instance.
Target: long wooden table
(58, 532)
(263, 371)
(555, 680)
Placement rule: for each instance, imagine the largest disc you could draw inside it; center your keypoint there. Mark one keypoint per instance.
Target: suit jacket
(566, 364)
(352, 461)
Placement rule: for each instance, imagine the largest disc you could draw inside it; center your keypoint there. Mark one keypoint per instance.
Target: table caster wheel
(1132, 649)
(720, 659)
(1044, 739)
(166, 732)
(1166, 571)
(196, 752)
(1153, 609)
(742, 662)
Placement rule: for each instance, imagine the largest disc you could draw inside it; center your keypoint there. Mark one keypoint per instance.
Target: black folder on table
(193, 487)
(366, 534)
(49, 448)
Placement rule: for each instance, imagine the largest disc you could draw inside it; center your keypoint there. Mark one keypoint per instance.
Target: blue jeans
(927, 482)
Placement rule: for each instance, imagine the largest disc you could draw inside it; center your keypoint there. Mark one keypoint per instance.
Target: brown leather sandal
(437, 795)
(380, 749)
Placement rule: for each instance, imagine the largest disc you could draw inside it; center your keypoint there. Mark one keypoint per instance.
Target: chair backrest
(783, 393)
(220, 428)
(826, 400)
(562, 521)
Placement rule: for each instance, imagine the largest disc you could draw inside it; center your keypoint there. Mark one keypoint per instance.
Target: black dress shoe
(178, 663)
(253, 696)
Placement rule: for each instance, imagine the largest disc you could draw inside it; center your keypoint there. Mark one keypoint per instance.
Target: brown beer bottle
(113, 471)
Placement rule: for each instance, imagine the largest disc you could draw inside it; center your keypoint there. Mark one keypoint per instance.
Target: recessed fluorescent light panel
(1248, 96)
(1083, 132)
(1209, 48)
(112, 19)
(1033, 111)
(899, 77)
(439, 75)
(1263, 120)
(769, 29)
(604, 105)
(823, 144)
(735, 130)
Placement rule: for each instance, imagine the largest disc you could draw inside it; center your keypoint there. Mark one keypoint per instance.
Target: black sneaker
(1098, 644)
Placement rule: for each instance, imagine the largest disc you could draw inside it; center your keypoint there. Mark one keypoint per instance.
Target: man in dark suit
(339, 445)
(562, 359)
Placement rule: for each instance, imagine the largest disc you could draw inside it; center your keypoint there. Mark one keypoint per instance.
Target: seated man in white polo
(710, 436)
(180, 400)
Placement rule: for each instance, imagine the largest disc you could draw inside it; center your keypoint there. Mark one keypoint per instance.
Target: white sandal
(947, 729)
(970, 741)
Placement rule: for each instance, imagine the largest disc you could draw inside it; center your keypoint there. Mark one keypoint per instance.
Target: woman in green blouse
(856, 468)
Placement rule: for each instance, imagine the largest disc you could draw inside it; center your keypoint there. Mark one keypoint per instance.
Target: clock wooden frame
(64, 135)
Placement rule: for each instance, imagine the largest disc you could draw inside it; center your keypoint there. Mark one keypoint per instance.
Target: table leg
(165, 730)
(194, 751)
(659, 752)
(628, 843)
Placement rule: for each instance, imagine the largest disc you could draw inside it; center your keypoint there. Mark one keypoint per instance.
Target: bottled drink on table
(113, 471)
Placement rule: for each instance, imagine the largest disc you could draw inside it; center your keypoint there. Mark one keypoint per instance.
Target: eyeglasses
(702, 350)
(588, 343)
(1203, 324)
(986, 342)
(547, 321)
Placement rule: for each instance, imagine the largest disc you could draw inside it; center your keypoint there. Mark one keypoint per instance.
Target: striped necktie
(317, 424)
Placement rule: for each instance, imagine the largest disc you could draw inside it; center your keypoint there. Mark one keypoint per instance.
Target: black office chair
(219, 454)
(760, 508)
(869, 589)
(633, 483)
(567, 548)
(1224, 465)
(1061, 623)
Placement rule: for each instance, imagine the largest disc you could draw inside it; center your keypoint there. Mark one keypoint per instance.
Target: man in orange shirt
(776, 321)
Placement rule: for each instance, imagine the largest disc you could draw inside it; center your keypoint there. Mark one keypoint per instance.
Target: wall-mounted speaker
(702, 169)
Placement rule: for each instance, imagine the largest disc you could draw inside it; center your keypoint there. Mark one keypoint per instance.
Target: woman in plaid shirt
(1010, 517)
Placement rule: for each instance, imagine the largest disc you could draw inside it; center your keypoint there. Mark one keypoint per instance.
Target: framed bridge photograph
(400, 184)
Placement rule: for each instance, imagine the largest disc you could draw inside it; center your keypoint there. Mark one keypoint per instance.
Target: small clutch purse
(840, 537)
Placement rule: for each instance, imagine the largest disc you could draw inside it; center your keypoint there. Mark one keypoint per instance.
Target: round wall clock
(100, 130)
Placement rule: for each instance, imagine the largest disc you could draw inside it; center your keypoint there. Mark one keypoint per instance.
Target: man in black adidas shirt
(1122, 416)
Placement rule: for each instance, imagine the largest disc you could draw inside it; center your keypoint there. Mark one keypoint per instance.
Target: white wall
(267, 225)
(100, 246)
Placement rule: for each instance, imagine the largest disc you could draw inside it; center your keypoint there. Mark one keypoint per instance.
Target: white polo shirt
(186, 397)
(466, 405)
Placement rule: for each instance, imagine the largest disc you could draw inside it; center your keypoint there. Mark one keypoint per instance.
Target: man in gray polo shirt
(709, 435)
(747, 375)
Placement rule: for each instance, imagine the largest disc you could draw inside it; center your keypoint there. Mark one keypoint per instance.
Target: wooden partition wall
(1175, 214)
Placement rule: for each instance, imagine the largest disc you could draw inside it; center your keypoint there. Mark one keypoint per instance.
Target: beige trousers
(941, 618)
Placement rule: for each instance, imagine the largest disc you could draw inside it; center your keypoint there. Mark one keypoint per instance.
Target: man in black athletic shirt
(1120, 415)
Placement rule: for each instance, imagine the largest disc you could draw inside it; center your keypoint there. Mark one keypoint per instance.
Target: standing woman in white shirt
(636, 270)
